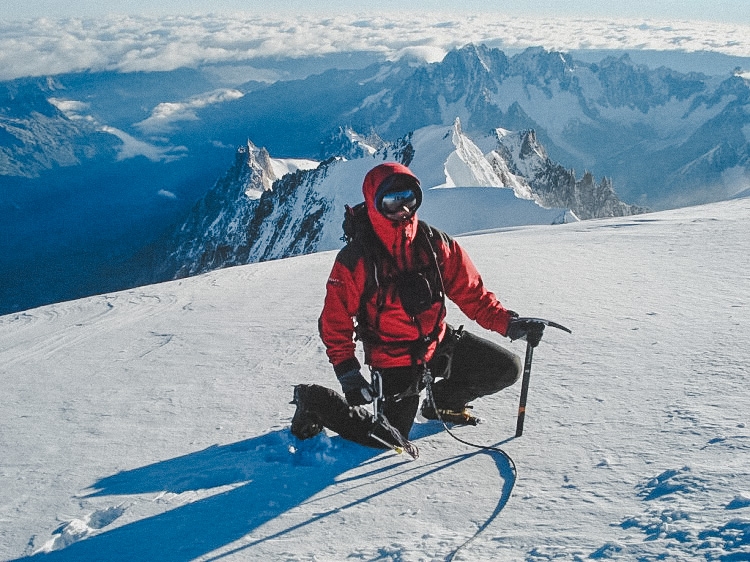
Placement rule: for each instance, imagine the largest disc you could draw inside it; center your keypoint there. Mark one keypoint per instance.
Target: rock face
(37, 133)
(247, 216)
(554, 186)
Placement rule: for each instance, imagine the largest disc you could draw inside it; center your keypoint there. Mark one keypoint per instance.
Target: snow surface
(468, 209)
(152, 424)
(283, 166)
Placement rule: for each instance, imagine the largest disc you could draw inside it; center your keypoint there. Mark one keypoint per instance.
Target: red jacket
(346, 284)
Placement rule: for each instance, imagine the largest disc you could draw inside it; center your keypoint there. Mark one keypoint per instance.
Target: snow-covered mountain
(254, 213)
(153, 424)
(666, 138)
(96, 166)
(37, 132)
(550, 183)
(232, 224)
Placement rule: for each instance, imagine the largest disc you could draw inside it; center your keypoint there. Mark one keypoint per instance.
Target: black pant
(478, 367)
(466, 365)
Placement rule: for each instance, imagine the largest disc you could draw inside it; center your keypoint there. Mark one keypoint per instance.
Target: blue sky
(732, 11)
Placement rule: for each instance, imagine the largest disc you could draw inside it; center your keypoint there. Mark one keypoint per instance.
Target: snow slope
(152, 424)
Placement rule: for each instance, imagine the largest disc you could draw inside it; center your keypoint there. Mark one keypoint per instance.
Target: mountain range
(96, 168)
(266, 208)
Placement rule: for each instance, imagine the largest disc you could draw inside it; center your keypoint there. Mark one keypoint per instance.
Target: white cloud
(132, 147)
(166, 114)
(428, 53)
(166, 194)
(72, 109)
(130, 43)
(69, 107)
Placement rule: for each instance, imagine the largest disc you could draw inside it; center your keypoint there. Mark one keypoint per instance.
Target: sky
(730, 11)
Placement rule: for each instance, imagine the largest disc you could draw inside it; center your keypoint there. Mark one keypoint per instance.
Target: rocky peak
(532, 173)
(530, 146)
(347, 143)
(477, 57)
(538, 65)
(254, 169)
(466, 72)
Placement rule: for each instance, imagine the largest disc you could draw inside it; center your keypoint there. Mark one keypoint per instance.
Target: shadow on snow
(269, 479)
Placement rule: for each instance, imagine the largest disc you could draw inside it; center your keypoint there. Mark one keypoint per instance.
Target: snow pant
(466, 365)
(474, 367)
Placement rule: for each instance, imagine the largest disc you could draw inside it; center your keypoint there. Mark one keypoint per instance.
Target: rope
(506, 456)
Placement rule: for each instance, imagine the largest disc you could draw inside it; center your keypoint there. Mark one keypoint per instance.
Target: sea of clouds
(140, 43)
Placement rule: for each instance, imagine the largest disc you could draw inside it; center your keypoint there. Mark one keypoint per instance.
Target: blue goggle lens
(399, 204)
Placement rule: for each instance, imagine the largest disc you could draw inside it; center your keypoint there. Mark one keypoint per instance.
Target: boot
(456, 417)
(305, 424)
(318, 407)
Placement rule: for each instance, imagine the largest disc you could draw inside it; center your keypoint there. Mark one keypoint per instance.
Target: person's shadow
(269, 480)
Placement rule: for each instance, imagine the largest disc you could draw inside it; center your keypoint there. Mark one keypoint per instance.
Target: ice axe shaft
(524, 389)
(527, 372)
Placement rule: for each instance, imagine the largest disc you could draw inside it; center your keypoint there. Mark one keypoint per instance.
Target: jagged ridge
(251, 215)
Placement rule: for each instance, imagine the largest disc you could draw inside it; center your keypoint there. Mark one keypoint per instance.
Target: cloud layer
(126, 43)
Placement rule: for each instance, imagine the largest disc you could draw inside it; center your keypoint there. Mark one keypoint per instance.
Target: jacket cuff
(346, 366)
(507, 317)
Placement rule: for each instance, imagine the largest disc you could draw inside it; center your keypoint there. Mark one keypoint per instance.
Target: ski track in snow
(152, 424)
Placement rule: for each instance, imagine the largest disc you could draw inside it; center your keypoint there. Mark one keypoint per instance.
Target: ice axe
(532, 328)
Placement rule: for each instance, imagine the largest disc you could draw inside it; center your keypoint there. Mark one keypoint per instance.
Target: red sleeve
(336, 324)
(464, 286)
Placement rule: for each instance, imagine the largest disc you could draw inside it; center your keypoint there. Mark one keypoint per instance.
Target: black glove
(529, 329)
(356, 389)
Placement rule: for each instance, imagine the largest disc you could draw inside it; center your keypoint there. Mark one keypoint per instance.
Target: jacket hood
(396, 236)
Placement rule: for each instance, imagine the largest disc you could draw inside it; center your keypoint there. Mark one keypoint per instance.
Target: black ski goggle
(398, 197)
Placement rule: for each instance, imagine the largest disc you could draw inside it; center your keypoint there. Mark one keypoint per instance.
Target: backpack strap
(374, 253)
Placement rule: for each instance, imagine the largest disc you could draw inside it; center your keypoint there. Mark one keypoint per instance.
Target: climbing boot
(305, 424)
(455, 417)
